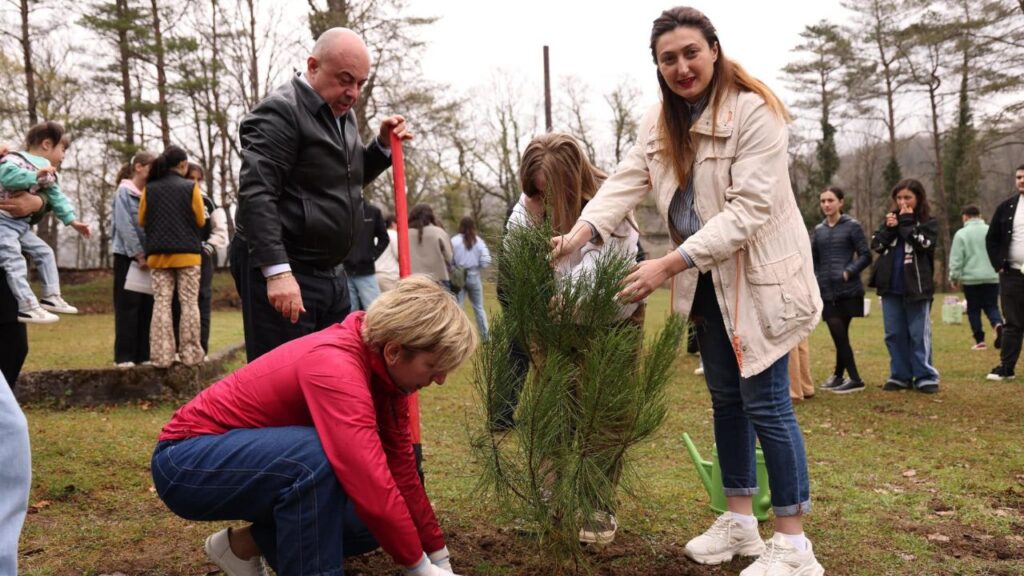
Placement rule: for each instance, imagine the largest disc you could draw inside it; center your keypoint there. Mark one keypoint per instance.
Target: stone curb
(98, 386)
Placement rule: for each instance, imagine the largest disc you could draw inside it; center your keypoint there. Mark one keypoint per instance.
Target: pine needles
(593, 391)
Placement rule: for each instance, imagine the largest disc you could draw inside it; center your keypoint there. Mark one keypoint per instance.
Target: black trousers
(13, 335)
(133, 312)
(519, 362)
(982, 298)
(324, 295)
(1011, 293)
(839, 328)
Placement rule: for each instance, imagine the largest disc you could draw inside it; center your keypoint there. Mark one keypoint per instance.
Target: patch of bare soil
(961, 541)
(629, 555)
(1011, 499)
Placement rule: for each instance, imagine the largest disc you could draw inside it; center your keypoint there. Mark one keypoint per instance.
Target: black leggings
(839, 328)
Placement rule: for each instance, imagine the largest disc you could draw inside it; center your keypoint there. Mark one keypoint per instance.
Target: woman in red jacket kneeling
(310, 443)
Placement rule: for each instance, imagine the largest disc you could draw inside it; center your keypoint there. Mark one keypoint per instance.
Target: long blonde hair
(675, 112)
(569, 177)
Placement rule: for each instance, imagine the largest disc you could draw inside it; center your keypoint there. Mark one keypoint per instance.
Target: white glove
(425, 568)
(441, 559)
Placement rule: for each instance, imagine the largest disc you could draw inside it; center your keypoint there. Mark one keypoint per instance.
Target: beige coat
(751, 221)
(433, 255)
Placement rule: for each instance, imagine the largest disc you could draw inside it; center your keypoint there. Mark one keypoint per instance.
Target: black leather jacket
(919, 242)
(837, 249)
(300, 186)
(1000, 233)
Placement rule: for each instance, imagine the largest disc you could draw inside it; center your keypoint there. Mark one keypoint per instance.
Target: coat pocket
(780, 295)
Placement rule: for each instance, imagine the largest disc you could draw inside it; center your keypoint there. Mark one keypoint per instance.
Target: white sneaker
(37, 316)
(128, 364)
(700, 368)
(726, 539)
(780, 558)
(219, 551)
(54, 303)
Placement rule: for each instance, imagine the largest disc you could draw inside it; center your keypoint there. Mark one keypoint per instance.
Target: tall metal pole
(547, 92)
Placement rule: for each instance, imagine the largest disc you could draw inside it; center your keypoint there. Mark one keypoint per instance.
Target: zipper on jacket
(348, 185)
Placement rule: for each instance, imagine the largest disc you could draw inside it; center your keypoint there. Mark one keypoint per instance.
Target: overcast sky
(600, 43)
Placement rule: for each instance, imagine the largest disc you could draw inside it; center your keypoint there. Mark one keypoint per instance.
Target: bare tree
(26, 49)
(499, 153)
(575, 115)
(878, 29)
(928, 63)
(390, 34)
(623, 104)
(161, 75)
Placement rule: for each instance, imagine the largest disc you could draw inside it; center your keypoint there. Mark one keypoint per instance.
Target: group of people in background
(985, 261)
(165, 226)
(371, 267)
(315, 427)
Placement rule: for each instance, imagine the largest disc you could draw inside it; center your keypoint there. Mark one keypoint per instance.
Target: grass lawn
(902, 483)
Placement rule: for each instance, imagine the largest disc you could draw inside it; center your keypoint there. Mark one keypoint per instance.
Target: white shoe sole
(723, 557)
(38, 321)
(58, 309)
(815, 570)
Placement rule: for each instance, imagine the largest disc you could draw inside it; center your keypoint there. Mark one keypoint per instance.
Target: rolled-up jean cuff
(740, 491)
(794, 510)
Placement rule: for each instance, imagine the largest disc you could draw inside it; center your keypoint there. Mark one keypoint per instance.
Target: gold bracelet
(279, 276)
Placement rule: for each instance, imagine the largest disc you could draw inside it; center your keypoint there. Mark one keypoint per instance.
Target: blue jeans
(475, 288)
(362, 290)
(277, 478)
(16, 236)
(982, 298)
(750, 409)
(15, 476)
(908, 336)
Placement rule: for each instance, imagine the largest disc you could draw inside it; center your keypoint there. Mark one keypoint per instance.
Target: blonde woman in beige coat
(713, 154)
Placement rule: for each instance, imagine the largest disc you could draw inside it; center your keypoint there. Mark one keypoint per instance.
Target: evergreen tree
(962, 166)
(822, 78)
(593, 392)
(126, 26)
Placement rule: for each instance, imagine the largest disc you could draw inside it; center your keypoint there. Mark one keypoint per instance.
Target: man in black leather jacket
(300, 194)
(1005, 245)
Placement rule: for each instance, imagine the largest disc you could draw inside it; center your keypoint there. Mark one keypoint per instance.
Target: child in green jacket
(35, 171)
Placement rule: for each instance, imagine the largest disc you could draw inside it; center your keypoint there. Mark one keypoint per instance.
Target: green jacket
(968, 260)
(15, 175)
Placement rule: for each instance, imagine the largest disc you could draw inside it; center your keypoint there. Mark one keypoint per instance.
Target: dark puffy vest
(170, 222)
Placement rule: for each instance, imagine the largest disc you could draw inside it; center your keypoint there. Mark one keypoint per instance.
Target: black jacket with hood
(918, 253)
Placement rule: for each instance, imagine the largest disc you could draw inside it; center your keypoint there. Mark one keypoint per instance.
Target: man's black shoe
(998, 374)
